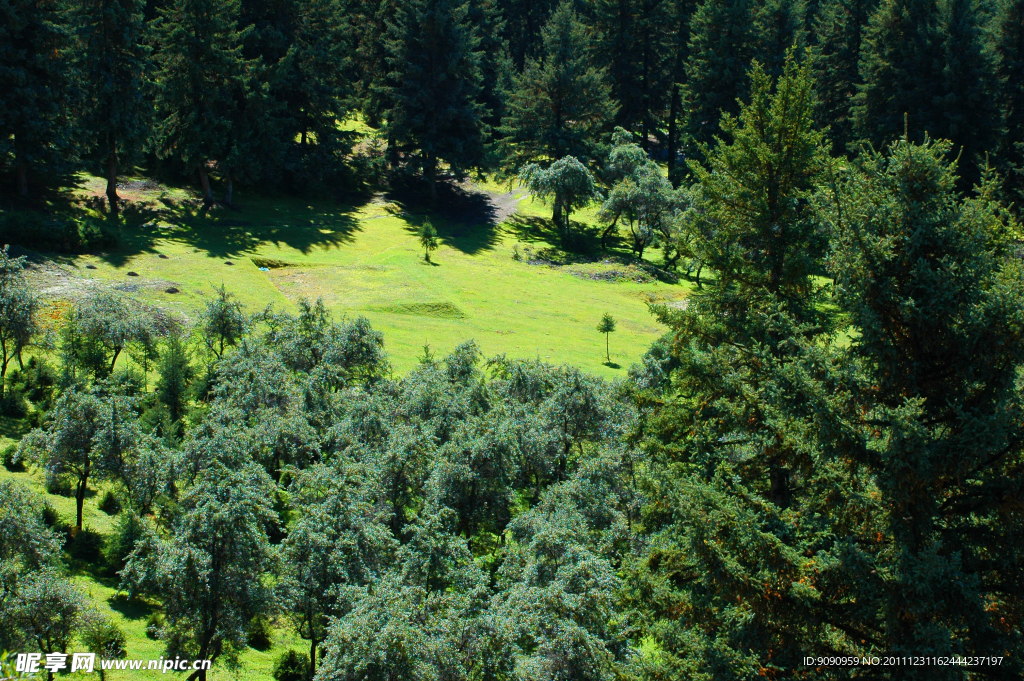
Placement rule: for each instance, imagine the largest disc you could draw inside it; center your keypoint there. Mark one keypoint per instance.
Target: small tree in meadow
(567, 184)
(428, 239)
(607, 326)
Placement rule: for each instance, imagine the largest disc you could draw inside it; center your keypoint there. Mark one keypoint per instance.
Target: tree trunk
(607, 348)
(312, 657)
(112, 197)
(229, 193)
(22, 180)
(673, 134)
(204, 179)
(432, 178)
(80, 499)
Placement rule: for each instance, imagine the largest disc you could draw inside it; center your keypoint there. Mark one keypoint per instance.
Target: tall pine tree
(561, 104)
(114, 63)
(201, 71)
(634, 46)
(434, 85)
(35, 84)
(925, 60)
(1008, 47)
(838, 33)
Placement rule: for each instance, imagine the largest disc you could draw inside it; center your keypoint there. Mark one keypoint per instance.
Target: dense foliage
(823, 456)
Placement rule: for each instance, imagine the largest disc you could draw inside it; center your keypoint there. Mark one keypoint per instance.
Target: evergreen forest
(811, 468)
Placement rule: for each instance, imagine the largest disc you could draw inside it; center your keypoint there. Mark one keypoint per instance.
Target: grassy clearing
(363, 258)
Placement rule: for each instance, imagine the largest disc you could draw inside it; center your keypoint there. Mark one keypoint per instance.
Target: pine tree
(560, 104)
(925, 60)
(200, 68)
(720, 50)
(677, 46)
(634, 47)
(939, 440)
(719, 398)
(838, 32)
(114, 63)
(1008, 48)
(524, 21)
(434, 86)
(35, 85)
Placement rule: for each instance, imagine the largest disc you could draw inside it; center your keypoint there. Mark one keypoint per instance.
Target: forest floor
(363, 258)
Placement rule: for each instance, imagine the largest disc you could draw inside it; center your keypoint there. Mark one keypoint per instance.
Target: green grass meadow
(363, 258)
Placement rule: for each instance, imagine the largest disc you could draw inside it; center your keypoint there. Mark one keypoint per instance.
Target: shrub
(155, 626)
(9, 462)
(39, 379)
(47, 233)
(86, 545)
(102, 636)
(109, 503)
(13, 403)
(59, 485)
(258, 634)
(291, 666)
(129, 529)
(52, 519)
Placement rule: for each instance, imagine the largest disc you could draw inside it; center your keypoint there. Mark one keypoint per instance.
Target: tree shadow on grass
(468, 221)
(131, 608)
(163, 214)
(612, 365)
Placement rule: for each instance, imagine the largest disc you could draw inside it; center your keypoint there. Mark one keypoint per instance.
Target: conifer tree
(200, 71)
(925, 61)
(35, 85)
(722, 448)
(524, 20)
(114, 63)
(1008, 48)
(434, 86)
(634, 47)
(720, 49)
(838, 34)
(561, 103)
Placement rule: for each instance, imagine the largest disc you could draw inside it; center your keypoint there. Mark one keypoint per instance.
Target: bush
(59, 484)
(39, 379)
(129, 529)
(47, 233)
(155, 626)
(52, 519)
(102, 636)
(291, 666)
(258, 634)
(9, 463)
(13, 403)
(109, 503)
(86, 545)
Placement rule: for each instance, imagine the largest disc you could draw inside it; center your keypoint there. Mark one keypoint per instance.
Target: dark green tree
(635, 47)
(607, 327)
(428, 239)
(939, 442)
(223, 323)
(923, 66)
(561, 104)
(838, 33)
(35, 85)
(1008, 47)
(65, 446)
(338, 542)
(114, 63)
(201, 70)
(720, 49)
(176, 374)
(718, 399)
(434, 87)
